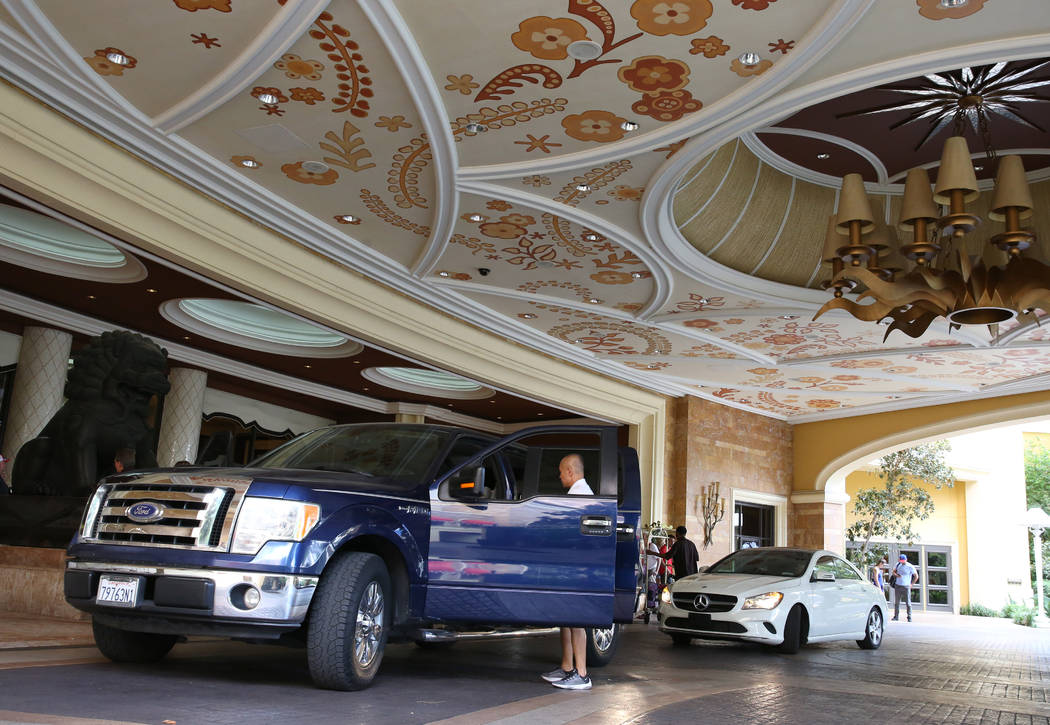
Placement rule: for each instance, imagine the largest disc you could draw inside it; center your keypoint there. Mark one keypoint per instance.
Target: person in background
(906, 576)
(878, 573)
(123, 460)
(683, 554)
(572, 675)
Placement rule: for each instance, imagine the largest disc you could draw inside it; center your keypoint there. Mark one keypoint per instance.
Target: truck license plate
(118, 591)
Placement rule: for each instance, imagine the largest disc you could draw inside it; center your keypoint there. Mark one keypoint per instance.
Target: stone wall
(712, 442)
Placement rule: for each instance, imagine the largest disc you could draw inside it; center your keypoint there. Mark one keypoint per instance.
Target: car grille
(198, 511)
(718, 602)
(708, 625)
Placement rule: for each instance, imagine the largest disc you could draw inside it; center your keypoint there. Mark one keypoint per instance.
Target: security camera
(484, 271)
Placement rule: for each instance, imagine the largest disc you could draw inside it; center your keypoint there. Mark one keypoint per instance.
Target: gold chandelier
(943, 279)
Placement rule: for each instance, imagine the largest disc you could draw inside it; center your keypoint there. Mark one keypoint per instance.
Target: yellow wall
(947, 524)
(822, 447)
(1042, 439)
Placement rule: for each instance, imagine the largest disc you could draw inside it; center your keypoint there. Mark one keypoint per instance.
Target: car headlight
(665, 595)
(769, 600)
(272, 519)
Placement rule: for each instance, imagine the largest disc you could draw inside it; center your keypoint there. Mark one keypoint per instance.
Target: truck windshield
(383, 452)
(764, 562)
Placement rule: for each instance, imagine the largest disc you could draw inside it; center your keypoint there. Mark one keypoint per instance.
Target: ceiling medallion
(966, 97)
(945, 282)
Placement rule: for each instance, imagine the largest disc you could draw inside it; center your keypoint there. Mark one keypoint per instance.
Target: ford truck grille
(185, 511)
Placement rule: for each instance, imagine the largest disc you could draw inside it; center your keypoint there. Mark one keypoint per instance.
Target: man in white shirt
(573, 639)
(906, 576)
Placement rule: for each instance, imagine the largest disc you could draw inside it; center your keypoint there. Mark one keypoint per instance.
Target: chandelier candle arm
(712, 508)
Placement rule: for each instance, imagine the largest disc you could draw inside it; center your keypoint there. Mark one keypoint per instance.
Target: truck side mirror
(468, 489)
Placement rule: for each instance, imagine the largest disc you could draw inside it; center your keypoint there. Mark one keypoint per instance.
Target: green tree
(889, 511)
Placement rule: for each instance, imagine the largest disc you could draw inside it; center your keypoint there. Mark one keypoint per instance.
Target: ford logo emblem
(144, 512)
(702, 601)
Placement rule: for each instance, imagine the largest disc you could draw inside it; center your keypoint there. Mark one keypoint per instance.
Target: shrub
(977, 610)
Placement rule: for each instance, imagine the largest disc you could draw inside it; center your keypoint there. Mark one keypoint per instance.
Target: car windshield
(764, 562)
(385, 452)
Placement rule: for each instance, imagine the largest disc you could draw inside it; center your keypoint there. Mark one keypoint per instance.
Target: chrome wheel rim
(603, 638)
(874, 627)
(368, 630)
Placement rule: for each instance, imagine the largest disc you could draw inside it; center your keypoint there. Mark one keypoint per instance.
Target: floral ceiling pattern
(560, 173)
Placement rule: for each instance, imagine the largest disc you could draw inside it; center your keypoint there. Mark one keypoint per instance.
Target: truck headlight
(769, 600)
(271, 519)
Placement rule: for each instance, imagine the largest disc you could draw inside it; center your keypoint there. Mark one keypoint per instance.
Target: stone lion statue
(108, 393)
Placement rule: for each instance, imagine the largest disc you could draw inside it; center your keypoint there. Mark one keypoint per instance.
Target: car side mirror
(468, 490)
(823, 576)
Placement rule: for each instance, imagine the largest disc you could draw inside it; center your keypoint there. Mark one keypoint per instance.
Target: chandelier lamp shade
(908, 285)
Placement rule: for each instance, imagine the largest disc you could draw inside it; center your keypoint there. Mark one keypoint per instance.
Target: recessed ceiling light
(249, 163)
(267, 98)
(651, 366)
(629, 125)
(474, 127)
(978, 168)
(492, 401)
(357, 362)
(577, 341)
(583, 50)
(583, 187)
(823, 157)
(594, 301)
(91, 297)
(529, 315)
(185, 337)
(749, 58)
(789, 317)
(703, 301)
(348, 218)
(636, 275)
(443, 273)
(499, 417)
(591, 236)
(539, 414)
(475, 217)
(151, 290)
(365, 389)
(949, 4)
(315, 167)
(306, 366)
(118, 58)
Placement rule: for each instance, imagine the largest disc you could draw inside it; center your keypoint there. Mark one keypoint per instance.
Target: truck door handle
(591, 525)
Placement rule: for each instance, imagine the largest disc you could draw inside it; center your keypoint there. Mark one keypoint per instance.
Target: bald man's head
(570, 469)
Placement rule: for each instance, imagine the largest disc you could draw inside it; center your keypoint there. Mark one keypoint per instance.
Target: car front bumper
(194, 600)
(752, 625)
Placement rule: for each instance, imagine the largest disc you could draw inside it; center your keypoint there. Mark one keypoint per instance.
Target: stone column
(819, 520)
(43, 362)
(409, 413)
(180, 428)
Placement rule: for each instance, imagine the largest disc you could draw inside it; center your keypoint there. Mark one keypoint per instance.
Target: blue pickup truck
(351, 536)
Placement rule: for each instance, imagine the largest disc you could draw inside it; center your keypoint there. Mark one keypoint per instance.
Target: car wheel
(121, 645)
(601, 645)
(681, 640)
(792, 631)
(872, 631)
(349, 622)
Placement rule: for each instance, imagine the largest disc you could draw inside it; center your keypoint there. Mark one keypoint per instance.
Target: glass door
(937, 577)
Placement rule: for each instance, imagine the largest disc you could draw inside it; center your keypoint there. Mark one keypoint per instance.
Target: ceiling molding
(821, 38)
(66, 59)
(284, 29)
(763, 152)
(412, 65)
(661, 277)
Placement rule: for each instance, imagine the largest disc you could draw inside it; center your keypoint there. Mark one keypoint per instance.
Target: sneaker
(574, 682)
(895, 619)
(909, 619)
(558, 674)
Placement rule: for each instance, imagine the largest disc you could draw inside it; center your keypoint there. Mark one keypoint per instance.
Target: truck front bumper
(194, 600)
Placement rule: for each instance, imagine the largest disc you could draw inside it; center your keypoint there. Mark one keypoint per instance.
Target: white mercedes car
(775, 596)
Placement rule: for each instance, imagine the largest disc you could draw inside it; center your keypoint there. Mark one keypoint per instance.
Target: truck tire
(601, 645)
(121, 645)
(349, 622)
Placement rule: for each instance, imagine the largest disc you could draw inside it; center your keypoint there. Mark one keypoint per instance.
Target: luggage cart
(657, 569)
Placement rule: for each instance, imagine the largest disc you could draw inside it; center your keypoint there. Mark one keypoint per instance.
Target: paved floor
(938, 669)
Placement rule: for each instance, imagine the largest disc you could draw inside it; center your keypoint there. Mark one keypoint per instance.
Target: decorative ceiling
(638, 187)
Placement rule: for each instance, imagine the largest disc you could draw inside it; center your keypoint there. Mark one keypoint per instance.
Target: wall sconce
(711, 507)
